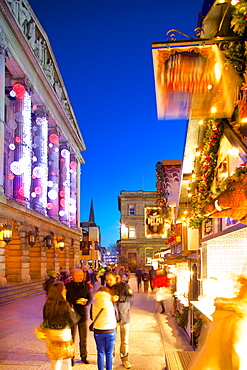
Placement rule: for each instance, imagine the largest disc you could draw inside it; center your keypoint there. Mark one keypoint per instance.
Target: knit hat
(52, 273)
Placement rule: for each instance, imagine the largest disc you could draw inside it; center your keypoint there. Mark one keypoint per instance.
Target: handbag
(41, 330)
(92, 324)
(59, 335)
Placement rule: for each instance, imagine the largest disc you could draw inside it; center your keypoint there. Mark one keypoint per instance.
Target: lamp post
(6, 232)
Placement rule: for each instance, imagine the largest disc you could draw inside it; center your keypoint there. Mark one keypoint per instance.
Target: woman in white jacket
(104, 326)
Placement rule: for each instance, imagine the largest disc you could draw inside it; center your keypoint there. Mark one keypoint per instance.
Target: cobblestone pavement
(151, 334)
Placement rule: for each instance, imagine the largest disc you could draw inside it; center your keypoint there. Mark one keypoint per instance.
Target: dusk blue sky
(103, 50)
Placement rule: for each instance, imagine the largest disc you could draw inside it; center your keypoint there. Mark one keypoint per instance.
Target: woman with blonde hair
(104, 324)
(59, 318)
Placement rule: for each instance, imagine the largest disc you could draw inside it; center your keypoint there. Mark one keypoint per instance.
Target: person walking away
(52, 278)
(145, 279)
(125, 296)
(59, 317)
(152, 274)
(101, 275)
(161, 283)
(103, 314)
(62, 274)
(139, 278)
(79, 296)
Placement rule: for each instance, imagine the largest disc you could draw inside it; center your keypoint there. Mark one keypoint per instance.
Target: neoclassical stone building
(40, 153)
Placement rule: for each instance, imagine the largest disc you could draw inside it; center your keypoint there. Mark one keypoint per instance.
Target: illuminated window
(131, 210)
(132, 232)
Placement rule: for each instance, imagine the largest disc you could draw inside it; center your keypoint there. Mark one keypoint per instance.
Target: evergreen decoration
(180, 317)
(203, 194)
(235, 55)
(197, 325)
(161, 192)
(239, 17)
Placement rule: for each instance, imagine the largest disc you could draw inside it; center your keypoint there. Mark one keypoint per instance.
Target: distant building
(90, 241)
(143, 230)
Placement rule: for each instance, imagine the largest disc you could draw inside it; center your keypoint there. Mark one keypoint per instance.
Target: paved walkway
(151, 334)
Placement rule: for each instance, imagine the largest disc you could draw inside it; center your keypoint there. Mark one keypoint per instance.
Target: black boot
(163, 307)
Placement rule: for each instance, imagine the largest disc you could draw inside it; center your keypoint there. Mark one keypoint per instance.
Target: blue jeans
(105, 345)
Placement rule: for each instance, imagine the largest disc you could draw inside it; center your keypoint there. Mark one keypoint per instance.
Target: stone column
(2, 118)
(73, 192)
(53, 173)
(40, 162)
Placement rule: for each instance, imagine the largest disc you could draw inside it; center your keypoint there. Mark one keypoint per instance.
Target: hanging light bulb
(198, 153)
(193, 175)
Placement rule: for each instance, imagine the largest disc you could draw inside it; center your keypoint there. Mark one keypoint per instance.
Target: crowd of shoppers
(71, 294)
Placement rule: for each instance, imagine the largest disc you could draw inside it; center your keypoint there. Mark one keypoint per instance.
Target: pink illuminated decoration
(38, 190)
(62, 193)
(21, 191)
(19, 90)
(35, 107)
(49, 206)
(53, 173)
(11, 176)
(62, 202)
(17, 139)
(73, 165)
(54, 139)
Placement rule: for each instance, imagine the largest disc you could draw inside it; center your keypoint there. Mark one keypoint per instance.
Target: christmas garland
(203, 194)
(239, 17)
(161, 192)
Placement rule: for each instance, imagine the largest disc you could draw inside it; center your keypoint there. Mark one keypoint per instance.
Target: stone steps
(17, 291)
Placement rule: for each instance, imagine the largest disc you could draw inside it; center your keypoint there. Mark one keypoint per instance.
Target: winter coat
(161, 281)
(106, 320)
(76, 291)
(125, 294)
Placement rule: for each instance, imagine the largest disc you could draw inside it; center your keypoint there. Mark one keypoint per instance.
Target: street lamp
(6, 232)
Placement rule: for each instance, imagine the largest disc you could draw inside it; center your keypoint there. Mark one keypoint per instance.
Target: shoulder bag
(92, 324)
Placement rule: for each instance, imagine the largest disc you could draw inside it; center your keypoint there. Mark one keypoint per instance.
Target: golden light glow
(244, 120)
(234, 2)
(213, 110)
(189, 195)
(185, 212)
(233, 151)
(200, 122)
(210, 87)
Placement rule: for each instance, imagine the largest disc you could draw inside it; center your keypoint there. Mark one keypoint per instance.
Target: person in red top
(161, 283)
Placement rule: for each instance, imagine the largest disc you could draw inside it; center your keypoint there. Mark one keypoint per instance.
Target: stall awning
(193, 81)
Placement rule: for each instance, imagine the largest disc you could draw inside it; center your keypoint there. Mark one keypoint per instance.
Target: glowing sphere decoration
(61, 213)
(38, 172)
(39, 121)
(17, 139)
(21, 191)
(73, 165)
(49, 206)
(53, 138)
(53, 173)
(72, 208)
(50, 145)
(38, 190)
(12, 94)
(62, 193)
(33, 195)
(65, 153)
(12, 146)
(11, 176)
(19, 90)
(17, 168)
(62, 202)
(35, 158)
(35, 107)
(52, 194)
(50, 184)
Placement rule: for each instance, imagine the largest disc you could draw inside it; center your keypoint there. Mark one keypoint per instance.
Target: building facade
(143, 230)
(40, 153)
